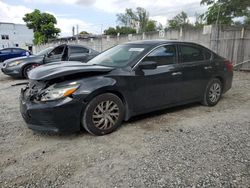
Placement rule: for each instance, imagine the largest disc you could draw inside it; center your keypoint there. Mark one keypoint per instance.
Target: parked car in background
(19, 67)
(8, 53)
(124, 81)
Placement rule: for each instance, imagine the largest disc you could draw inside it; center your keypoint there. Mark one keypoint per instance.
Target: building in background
(15, 35)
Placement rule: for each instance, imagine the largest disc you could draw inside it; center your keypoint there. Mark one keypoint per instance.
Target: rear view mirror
(148, 65)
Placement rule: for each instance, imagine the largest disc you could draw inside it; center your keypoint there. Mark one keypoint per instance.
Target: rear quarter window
(191, 54)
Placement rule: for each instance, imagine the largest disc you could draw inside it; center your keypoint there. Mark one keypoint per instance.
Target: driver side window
(164, 55)
(57, 51)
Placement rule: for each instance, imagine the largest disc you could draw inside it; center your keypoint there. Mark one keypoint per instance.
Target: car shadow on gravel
(158, 113)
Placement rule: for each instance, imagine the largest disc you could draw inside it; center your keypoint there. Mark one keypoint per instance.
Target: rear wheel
(103, 115)
(213, 92)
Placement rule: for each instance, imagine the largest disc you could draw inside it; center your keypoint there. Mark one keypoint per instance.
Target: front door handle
(176, 73)
(207, 67)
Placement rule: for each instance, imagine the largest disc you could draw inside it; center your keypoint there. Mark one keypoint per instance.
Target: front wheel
(213, 92)
(28, 68)
(103, 114)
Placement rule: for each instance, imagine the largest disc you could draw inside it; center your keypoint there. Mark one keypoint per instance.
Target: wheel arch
(112, 91)
(27, 64)
(221, 80)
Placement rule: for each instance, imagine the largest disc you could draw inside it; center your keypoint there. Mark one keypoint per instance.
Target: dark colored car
(19, 67)
(124, 81)
(8, 53)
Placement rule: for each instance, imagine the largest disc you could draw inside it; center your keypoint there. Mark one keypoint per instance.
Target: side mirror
(148, 65)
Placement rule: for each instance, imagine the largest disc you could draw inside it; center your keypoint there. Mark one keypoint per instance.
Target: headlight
(15, 63)
(53, 93)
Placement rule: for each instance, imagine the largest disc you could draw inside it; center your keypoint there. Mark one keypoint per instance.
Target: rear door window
(18, 51)
(78, 50)
(191, 54)
(6, 51)
(164, 55)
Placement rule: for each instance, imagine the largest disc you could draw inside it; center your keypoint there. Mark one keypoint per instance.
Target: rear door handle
(176, 73)
(207, 67)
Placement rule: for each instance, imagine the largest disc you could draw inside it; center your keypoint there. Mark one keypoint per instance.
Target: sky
(96, 15)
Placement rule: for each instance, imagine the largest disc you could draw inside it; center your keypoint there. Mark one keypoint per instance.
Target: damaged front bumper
(63, 115)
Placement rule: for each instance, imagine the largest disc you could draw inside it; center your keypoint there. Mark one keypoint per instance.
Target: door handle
(208, 67)
(176, 73)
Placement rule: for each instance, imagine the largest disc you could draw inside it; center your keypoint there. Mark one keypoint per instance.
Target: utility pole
(77, 33)
(218, 31)
(101, 36)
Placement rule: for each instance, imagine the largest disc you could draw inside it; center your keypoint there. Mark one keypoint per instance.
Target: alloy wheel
(105, 115)
(214, 92)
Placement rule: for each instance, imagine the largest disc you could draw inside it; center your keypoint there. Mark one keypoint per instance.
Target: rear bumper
(56, 116)
(228, 82)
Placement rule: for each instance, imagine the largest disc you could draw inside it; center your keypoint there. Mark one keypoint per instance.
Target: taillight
(229, 65)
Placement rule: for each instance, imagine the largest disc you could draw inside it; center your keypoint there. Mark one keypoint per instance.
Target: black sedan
(19, 67)
(124, 81)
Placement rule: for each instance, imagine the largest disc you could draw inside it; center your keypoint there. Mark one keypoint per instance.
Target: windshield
(45, 51)
(119, 56)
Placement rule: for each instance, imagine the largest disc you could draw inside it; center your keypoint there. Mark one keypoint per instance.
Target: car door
(196, 68)
(56, 54)
(156, 88)
(78, 53)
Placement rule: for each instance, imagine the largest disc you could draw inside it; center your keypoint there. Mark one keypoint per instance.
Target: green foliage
(247, 20)
(199, 23)
(84, 33)
(151, 26)
(225, 10)
(139, 17)
(122, 30)
(180, 20)
(43, 25)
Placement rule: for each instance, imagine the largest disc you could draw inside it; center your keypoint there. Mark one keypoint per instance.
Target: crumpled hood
(59, 69)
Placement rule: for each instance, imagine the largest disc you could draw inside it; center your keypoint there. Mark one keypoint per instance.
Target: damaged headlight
(54, 93)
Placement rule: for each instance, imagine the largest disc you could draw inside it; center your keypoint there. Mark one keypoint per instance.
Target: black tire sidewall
(207, 101)
(87, 122)
(25, 74)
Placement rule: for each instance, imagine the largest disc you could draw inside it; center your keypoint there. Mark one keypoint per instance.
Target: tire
(28, 68)
(97, 120)
(212, 93)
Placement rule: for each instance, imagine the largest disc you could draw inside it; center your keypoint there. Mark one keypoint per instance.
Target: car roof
(13, 48)
(160, 41)
(76, 45)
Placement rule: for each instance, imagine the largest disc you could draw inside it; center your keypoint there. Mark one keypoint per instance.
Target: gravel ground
(187, 146)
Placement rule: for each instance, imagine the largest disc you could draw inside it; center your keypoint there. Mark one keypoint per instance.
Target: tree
(110, 31)
(223, 11)
(43, 25)
(84, 33)
(199, 23)
(151, 26)
(179, 21)
(122, 30)
(136, 18)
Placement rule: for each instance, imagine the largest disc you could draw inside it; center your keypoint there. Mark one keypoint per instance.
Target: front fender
(91, 87)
